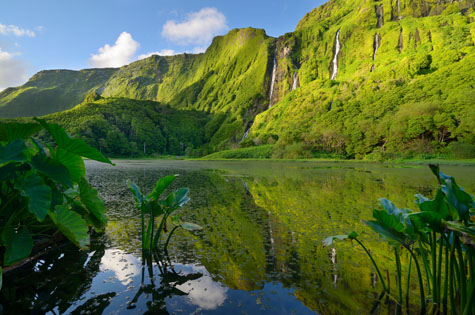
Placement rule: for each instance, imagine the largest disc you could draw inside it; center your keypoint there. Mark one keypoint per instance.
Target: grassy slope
(51, 91)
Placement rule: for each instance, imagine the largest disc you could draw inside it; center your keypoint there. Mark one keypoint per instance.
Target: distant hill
(357, 78)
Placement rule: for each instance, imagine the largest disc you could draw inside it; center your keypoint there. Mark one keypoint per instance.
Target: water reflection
(260, 250)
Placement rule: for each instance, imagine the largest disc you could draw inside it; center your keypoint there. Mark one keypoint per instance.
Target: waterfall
(271, 92)
(245, 134)
(335, 58)
(296, 81)
(376, 44)
(331, 105)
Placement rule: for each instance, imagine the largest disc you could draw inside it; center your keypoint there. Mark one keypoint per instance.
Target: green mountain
(357, 78)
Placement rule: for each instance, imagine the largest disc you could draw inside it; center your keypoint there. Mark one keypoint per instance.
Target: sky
(39, 35)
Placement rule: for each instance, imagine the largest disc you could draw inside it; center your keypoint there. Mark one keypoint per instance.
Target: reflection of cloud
(125, 266)
(204, 292)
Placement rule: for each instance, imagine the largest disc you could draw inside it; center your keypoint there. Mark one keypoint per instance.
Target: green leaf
(467, 232)
(191, 226)
(329, 240)
(39, 195)
(13, 131)
(72, 162)
(93, 203)
(13, 152)
(52, 168)
(160, 186)
(18, 245)
(390, 228)
(75, 146)
(176, 199)
(8, 171)
(71, 225)
(136, 192)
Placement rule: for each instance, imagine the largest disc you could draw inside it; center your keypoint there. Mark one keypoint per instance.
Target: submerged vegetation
(43, 191)
(440, 238)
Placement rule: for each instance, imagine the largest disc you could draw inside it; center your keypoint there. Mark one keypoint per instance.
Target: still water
(260, 250)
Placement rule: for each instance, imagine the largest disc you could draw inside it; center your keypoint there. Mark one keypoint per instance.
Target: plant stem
(399, 277)
(426, 266)
(421, 284)
(169, 237)
(374, 264)
(409, 280)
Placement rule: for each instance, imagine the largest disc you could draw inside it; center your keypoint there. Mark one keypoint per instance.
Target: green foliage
(153, 207)
(257, 152)
(444, 231)
(412, 96)
(41, 190)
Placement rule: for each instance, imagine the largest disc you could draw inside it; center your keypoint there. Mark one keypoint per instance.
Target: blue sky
(76, 34)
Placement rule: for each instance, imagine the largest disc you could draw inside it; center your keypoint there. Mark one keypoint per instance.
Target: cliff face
(375, 75)
(346, 67)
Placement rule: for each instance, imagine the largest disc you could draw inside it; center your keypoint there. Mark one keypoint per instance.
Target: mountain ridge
(258, 83)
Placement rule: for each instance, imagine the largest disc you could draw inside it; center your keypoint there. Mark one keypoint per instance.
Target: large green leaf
(389, 228)
(8, 171)
(18, 245)
(52, 168)
(72, 162)
(38, 193)
(160, 186)
(71, 225)
(93, 203)
(136, 192)
(13, 151)
(329, 240)
(12, 131)
(175, 200)
(191, 226)
(75, 146)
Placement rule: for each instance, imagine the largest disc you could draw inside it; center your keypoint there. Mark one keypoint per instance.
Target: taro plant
(440, 239)
(153, 237)
(43, 191)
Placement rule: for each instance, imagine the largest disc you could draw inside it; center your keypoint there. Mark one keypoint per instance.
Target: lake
(260, 250)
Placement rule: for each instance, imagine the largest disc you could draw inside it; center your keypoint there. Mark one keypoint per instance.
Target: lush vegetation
(403, 86)
(51, 91)
(442, 233)
(123, 127)
(43, 191)
(152, 242)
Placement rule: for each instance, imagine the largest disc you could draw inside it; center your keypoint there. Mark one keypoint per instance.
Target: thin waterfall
(271, 92)
(246, 134)
(335, 58)
(331, 105)
(376, 44)
(296, 81)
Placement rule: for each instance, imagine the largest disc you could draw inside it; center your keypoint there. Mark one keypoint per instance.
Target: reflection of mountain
(267, 225)
(54, 283)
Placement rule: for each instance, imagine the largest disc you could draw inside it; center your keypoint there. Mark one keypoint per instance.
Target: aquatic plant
(43, 191)
(153, 207)
(442, 235)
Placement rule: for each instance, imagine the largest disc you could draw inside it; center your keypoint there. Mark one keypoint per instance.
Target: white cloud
(15, 30)
(163, 52)
(198, 28)
(119, 54)
(204, 292)
(13, 72)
